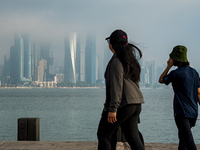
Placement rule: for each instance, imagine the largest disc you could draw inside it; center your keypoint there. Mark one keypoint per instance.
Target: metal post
(28, 129)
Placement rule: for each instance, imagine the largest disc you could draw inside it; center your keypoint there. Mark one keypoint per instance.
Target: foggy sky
(155, 26)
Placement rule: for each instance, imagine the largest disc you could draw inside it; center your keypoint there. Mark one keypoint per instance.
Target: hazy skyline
(154, 26)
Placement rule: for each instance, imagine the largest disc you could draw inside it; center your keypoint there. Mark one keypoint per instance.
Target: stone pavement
(46, 145)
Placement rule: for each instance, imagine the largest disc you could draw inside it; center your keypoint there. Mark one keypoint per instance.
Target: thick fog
(154, 26)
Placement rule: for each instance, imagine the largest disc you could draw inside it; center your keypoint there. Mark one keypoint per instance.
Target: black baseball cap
(118, 36)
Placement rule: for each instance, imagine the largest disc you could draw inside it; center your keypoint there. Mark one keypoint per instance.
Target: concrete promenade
(46, 145)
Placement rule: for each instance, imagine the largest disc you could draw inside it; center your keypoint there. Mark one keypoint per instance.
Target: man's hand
(112, 117)
(170, 62)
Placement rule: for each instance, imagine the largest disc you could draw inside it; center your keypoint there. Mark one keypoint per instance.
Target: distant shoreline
(148, 88)
(51, 87)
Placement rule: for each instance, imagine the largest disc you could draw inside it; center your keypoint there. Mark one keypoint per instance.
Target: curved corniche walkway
(76, 145)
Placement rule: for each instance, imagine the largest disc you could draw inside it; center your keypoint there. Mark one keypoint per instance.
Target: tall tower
(13, 69)
(17, 60)
(20, 59)
(90, 60)
(143, 73)
(47, 54)
(34, 61)
(103, 56)
(42, 66)
(6, 72)
(27, 56)
(70, 59)
(81, 58)
(19, 49)
(152, 71)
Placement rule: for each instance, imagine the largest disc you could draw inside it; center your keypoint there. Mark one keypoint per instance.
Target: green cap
(179, 53)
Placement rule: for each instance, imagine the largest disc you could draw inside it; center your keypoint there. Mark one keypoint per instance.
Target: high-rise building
(6, 71)
(13, 69)
(151, 67)
(77, 60)
(81, 44)
(20, 59)
(17, 59)
(27, 56)
(103, 56)
(142, 75)
(90, 60)
(97, 67)
(143, 71)
(146, 75)
(42, 66)
(34, 61)
(47, 54)
(80, 59)
(70, 43)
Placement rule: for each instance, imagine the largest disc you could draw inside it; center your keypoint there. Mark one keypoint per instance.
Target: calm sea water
(74, 114)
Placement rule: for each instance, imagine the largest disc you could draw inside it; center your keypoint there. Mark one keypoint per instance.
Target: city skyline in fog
(154, 26)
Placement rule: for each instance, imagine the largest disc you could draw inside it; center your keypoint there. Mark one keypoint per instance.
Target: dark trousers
(184, 125)
(127, 119)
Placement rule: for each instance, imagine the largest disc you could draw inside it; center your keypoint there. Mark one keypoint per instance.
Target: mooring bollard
(28, 129)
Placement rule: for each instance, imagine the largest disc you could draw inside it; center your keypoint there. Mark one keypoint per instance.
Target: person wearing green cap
(186, 85)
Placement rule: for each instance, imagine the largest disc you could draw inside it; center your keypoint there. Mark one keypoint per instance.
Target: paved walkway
(45, 145)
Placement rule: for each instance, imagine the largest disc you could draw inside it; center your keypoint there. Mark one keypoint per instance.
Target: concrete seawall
(76, 145)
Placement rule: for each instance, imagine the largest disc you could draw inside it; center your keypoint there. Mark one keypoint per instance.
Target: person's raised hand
(170, 62)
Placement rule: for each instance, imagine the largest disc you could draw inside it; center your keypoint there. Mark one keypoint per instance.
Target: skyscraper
(6, 72)
(47, 54)
(151, 67)
(27, 56)
(77, 60)
(13, 66)
(19, 56)
(80, 59)
(104, 55)
(90, 60)
(143, 70)
(82, 44)
(42, 66)
(142, 75)
(70, 59)
(20, 59)
(34, 61)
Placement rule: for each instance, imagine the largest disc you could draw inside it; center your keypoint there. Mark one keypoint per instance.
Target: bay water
(73, 114)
